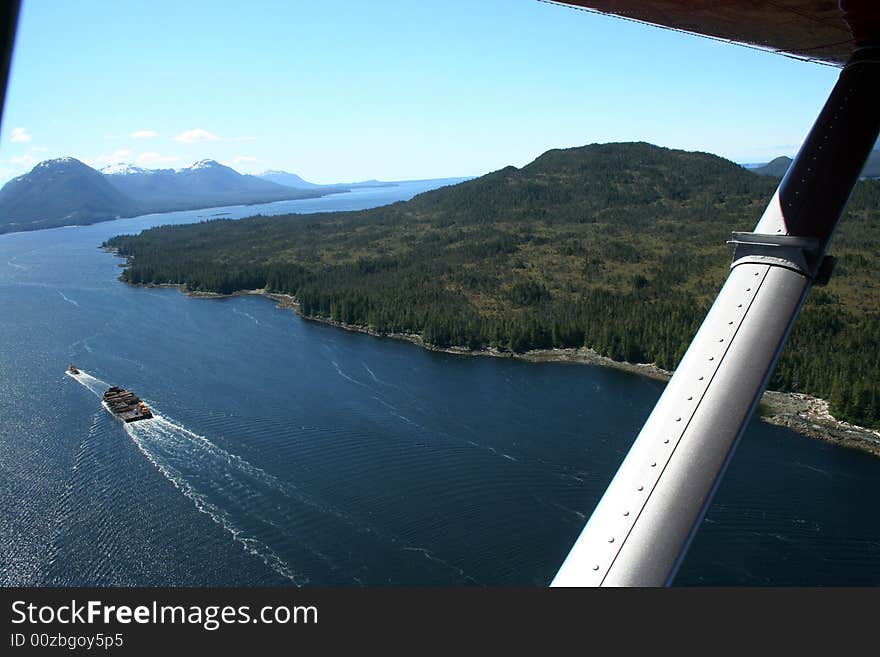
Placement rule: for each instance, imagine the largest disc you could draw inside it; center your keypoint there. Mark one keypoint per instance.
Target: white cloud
(24, 161)
(239, 159)
(20, 135)
(119, 155)
(144, 134)
(28, 159)
(151, 158)
(196, 135)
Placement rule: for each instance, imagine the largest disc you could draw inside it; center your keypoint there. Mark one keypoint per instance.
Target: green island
(617, 249)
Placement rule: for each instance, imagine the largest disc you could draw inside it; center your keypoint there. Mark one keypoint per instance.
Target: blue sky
(343, 90)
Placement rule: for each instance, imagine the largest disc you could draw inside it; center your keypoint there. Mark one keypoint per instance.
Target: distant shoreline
(803, 414)
(195, 206)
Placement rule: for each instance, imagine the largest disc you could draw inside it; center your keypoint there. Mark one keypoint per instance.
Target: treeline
(618, 247)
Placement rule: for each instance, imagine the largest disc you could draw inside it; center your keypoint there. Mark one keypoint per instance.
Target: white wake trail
(93, 384)
(245, 314)
(372, 373)
(267, 516)
(185, 458)
(347, 377)
(145, 432)
(67, 299)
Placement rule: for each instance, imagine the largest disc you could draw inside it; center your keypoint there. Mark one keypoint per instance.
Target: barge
(126, 405)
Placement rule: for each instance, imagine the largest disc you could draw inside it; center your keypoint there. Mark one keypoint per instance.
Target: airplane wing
(816, 30)
(640, 530)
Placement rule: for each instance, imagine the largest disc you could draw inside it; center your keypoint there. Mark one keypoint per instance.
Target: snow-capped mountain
(201, 164)
(207, 182)
(58, 192)
(122, 169)
(66, 191)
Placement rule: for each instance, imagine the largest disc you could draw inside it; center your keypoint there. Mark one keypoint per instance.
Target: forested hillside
(619, 247)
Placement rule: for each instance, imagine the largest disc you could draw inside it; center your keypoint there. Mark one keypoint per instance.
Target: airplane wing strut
(640, 531)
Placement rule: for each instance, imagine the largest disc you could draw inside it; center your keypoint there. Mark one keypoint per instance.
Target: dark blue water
(288, 452)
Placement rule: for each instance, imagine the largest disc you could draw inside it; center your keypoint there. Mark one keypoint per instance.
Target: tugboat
(126, 405)
(72, 369)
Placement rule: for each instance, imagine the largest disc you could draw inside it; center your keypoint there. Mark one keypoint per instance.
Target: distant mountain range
(58, 192)
(285, 178)
(204, 182)
(293, 180)
(65, 191)
(778, 166)
(775, 167)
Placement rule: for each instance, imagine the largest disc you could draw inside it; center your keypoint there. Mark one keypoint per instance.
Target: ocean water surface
(286, 452)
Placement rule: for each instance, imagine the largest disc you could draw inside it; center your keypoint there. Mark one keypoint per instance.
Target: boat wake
(224, 486)
(272, 519)
(67, 299)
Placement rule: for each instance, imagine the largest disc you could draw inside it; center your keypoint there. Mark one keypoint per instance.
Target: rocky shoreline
(801, 413)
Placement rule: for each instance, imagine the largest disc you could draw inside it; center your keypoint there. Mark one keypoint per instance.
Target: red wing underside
(818, 30)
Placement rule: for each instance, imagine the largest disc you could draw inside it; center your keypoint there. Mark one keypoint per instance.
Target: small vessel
(126, 405)
(72, 369)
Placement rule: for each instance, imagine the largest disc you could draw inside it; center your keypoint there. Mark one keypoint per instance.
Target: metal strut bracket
(800, 254)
